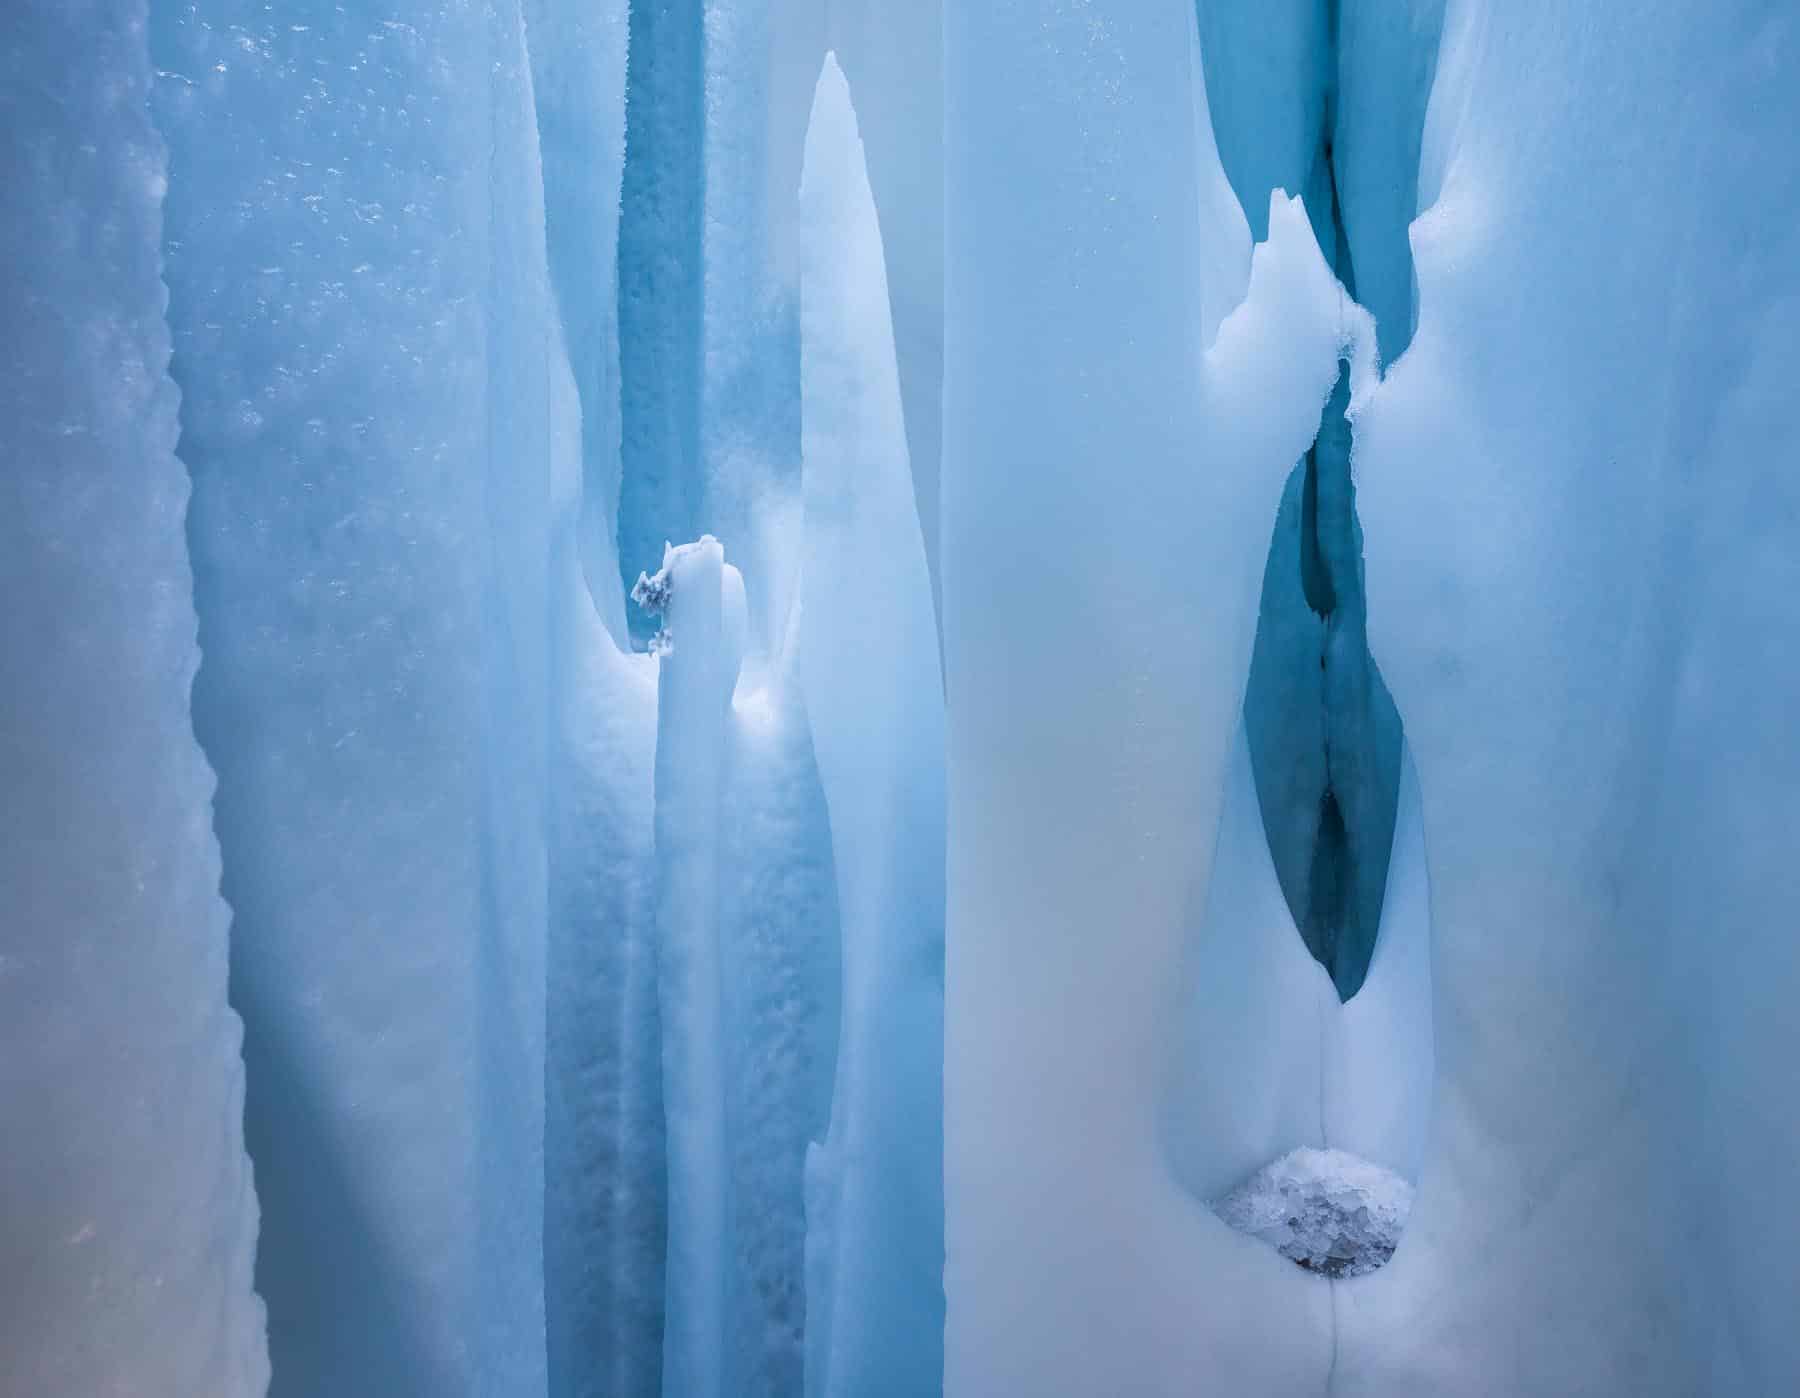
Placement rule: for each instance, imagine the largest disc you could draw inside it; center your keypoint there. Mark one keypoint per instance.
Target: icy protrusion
(869, 664)
(130, 1222)
(1326, 1210)
(693, 700)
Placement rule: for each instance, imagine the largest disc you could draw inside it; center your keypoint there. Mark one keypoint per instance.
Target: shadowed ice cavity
(1327, 98)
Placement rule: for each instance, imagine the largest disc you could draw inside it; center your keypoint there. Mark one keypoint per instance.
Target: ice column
(703, 629)
(125, 1258)
(869, 665)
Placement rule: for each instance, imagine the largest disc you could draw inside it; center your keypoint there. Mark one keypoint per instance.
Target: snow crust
(1328, 1211)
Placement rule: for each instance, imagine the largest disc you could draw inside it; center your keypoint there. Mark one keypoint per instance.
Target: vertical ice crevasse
(703, 630)
(869, 666)
(604, 1186)
(660, 281)
(130, 1219)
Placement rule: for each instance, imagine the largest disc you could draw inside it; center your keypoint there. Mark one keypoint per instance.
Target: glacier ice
(1083, 431)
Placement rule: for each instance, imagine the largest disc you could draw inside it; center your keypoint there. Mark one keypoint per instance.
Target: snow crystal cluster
(1327, 1210)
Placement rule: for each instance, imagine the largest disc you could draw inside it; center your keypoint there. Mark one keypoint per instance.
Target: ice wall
(1581, 582)
(869, 663)
(125, 1259)
(363, 333)
(1103, 615)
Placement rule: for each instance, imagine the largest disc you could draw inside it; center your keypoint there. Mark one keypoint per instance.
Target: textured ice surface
(129, 1218)
(1327, 1210)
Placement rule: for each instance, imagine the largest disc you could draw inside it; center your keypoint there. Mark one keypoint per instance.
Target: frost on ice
(1326, 1210)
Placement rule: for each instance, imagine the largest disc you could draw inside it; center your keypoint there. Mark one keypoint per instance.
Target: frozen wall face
(362, 325)
(1582, 587)
(125, 1260)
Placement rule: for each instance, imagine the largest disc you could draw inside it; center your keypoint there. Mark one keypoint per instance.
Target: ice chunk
(869, 663)
(1327, 1210)
(130, 1221)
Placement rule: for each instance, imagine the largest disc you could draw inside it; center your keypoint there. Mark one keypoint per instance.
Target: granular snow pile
(1328, 1211)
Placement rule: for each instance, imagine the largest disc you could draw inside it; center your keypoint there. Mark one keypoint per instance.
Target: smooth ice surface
(371, 374)
(868, 657)
(130, 1220)
(1267, 1058)
(1326, 1210)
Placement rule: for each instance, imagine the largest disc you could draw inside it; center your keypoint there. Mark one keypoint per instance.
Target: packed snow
(1325, 1210)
